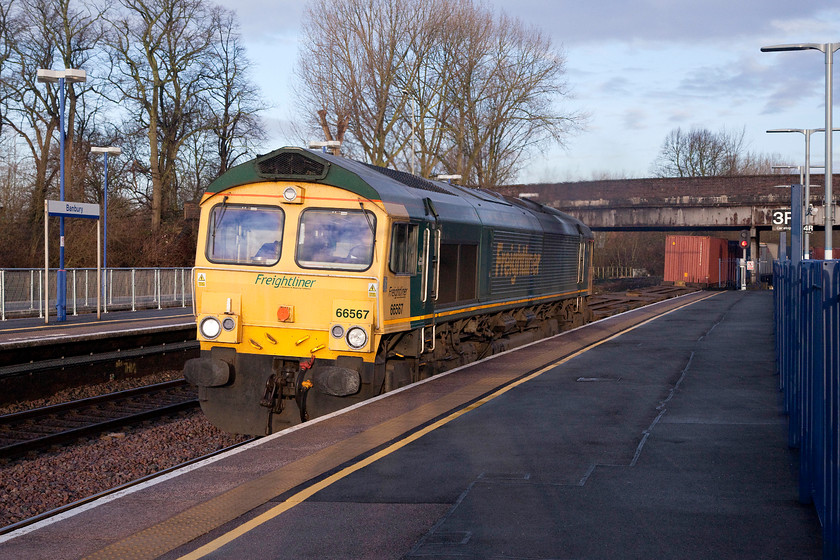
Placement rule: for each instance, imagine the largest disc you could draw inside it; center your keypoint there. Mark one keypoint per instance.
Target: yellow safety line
(303, 495)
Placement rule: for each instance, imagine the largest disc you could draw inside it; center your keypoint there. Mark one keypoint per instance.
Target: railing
(22, 290)
(807, 314)
(618, 272)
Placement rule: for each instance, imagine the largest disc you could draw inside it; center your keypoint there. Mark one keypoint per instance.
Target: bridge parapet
(696, 203)
(684, 200)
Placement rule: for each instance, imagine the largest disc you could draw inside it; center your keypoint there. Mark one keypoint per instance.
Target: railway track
(35, 365)
(41, 428)
(93, 497)
(612, 303)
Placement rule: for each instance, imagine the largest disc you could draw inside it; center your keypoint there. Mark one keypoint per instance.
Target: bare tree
(233, 103)
(428, 116)
(43, 34)
(77, 34)
(506, 84)
(475, 92)
(30, 110)
(7, 34)
(177, 77)
(357, 58)
(702, 153)
(159, 49)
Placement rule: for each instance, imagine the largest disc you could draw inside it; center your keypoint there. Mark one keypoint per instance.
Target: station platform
(663, 439)
(31, 331)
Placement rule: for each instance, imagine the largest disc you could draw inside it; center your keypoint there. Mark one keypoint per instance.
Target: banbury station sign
(72, 209)
(66, 209)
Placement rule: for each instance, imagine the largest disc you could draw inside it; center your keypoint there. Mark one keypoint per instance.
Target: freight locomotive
(322, 281)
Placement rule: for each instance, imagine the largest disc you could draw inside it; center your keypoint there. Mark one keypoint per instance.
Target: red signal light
(743, 244)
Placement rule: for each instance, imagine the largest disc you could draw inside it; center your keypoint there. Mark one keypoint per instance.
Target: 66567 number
(344, 313)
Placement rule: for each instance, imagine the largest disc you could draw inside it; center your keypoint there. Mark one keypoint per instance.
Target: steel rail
(119, 399)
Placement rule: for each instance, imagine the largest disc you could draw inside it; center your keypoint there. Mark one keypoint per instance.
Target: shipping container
(697, 261)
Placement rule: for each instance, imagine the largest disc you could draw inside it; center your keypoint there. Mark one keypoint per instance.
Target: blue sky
(639, 69)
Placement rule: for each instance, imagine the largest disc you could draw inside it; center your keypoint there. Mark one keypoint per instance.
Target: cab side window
(404, 249)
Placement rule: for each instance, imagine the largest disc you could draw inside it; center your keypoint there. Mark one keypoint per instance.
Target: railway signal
(743, 243)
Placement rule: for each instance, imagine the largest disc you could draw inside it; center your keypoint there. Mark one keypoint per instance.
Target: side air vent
(409, 180)
(291, 165)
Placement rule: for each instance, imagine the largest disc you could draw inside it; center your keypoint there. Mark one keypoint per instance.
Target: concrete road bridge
(760, 204)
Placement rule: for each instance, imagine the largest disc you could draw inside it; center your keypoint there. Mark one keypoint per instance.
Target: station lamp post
(807, 196)
(114, 151)
(61, 77)
(413, 129)
(807, 183)
(828, 50)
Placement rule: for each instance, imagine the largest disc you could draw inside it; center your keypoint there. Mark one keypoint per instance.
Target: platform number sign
(780, 218)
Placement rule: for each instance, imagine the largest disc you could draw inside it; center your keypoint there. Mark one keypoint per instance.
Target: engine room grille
(409, 180)
(291, 165)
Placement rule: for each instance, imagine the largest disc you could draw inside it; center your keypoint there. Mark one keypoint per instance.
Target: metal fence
(618, 272)
(22, 290)
(807, 313)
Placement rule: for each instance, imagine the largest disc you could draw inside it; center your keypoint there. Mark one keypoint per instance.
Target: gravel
(40, 483)
(86, 391)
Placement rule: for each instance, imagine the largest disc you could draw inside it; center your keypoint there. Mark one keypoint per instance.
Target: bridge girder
(689, 218)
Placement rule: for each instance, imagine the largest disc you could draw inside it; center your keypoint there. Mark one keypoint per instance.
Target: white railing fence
(22, 290)
(618, 272)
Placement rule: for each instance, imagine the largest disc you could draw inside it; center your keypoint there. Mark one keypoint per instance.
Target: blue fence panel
(807, 314)
(831, 372)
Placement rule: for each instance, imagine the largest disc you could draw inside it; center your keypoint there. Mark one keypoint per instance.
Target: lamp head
(795, 47)
(111, 150)
(76, 75)
(49, 76)
(70, 75)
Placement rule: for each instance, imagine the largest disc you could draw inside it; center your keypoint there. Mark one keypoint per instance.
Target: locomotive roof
(418, 195)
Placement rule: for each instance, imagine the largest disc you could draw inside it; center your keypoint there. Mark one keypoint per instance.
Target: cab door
(429, 275)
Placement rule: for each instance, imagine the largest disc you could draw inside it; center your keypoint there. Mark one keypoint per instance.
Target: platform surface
(33, 331)
(667, 441)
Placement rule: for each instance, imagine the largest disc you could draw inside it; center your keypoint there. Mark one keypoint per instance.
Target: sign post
(66, 209)
(796, 233)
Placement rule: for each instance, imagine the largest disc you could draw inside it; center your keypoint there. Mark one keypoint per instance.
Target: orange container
(695, 260)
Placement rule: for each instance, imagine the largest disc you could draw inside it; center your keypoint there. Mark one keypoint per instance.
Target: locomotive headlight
(210, 327)
(228, 324)
(293, 195)
(356, 337)
(337, 331)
